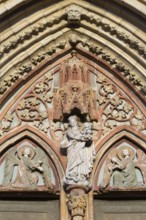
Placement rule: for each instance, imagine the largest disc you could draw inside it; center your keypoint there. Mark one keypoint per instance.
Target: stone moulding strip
(88, 16)
(103, 56)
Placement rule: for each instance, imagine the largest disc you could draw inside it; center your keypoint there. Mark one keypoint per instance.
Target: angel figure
(120, 166)
(31, 162)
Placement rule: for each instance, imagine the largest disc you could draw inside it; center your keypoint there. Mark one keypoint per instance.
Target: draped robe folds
(79, 157)
(26, 175)
(127, 176)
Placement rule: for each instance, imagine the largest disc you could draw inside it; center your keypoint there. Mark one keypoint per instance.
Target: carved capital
(77, 203)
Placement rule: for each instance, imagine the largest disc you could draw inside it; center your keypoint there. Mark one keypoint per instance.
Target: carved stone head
(73, 14)
(73, 120)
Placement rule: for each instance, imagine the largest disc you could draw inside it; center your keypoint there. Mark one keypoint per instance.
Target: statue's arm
(117, 164)
(29, 163)
(32, 165)
(77, 137)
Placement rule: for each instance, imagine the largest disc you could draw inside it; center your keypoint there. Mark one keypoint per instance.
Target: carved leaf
(9, 117)
(116, 101)
(127, 107)
(141, 163)
(5, 125)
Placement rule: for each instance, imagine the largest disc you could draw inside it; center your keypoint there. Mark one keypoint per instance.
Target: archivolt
(35, 37)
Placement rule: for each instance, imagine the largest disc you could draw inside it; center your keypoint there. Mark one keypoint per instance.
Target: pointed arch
(103, 33)
(35, 137)
(122, 135)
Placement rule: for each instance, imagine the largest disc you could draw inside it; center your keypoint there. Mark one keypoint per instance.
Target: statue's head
(87, 125)
(73, 14)
(73, 120)
(126, 152)
(27, 151)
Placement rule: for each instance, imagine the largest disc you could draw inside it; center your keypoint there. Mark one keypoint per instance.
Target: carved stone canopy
(74, 69)
(75, 91)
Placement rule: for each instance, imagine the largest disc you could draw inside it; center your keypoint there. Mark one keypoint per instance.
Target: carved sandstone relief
(124, 168)
(79, 86)
(26, 168)
(77, 203)
(75, 90)
(23, 69)
(74, 15)
(32, 108)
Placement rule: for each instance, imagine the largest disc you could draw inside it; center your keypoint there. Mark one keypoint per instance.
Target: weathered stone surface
(128, 210)
(29, 210)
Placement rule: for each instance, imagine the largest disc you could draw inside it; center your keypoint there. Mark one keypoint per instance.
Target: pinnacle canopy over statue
(75, 90)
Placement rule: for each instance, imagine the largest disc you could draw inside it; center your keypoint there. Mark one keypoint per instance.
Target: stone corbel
(77, 201)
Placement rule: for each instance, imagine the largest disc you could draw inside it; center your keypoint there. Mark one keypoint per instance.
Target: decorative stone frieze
(74, 40)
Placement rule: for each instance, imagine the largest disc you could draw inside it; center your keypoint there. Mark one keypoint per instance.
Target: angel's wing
(141, 163)
(42, 156)
(141, 156)
(10, 160)
(107, 171)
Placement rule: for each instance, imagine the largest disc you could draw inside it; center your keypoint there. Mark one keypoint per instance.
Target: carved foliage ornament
(77, 203)
(74, 13)
(32, 108)
(24, 68)
(105, 104)
(77, 206)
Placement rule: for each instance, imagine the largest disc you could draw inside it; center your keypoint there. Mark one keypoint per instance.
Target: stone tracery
(45, 105)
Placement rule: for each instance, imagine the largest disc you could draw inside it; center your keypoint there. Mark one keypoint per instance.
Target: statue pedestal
(77, 201)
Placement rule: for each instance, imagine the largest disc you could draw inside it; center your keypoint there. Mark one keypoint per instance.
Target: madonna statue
(80, 152)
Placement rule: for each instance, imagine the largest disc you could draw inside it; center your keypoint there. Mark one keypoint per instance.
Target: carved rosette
(77, 202)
